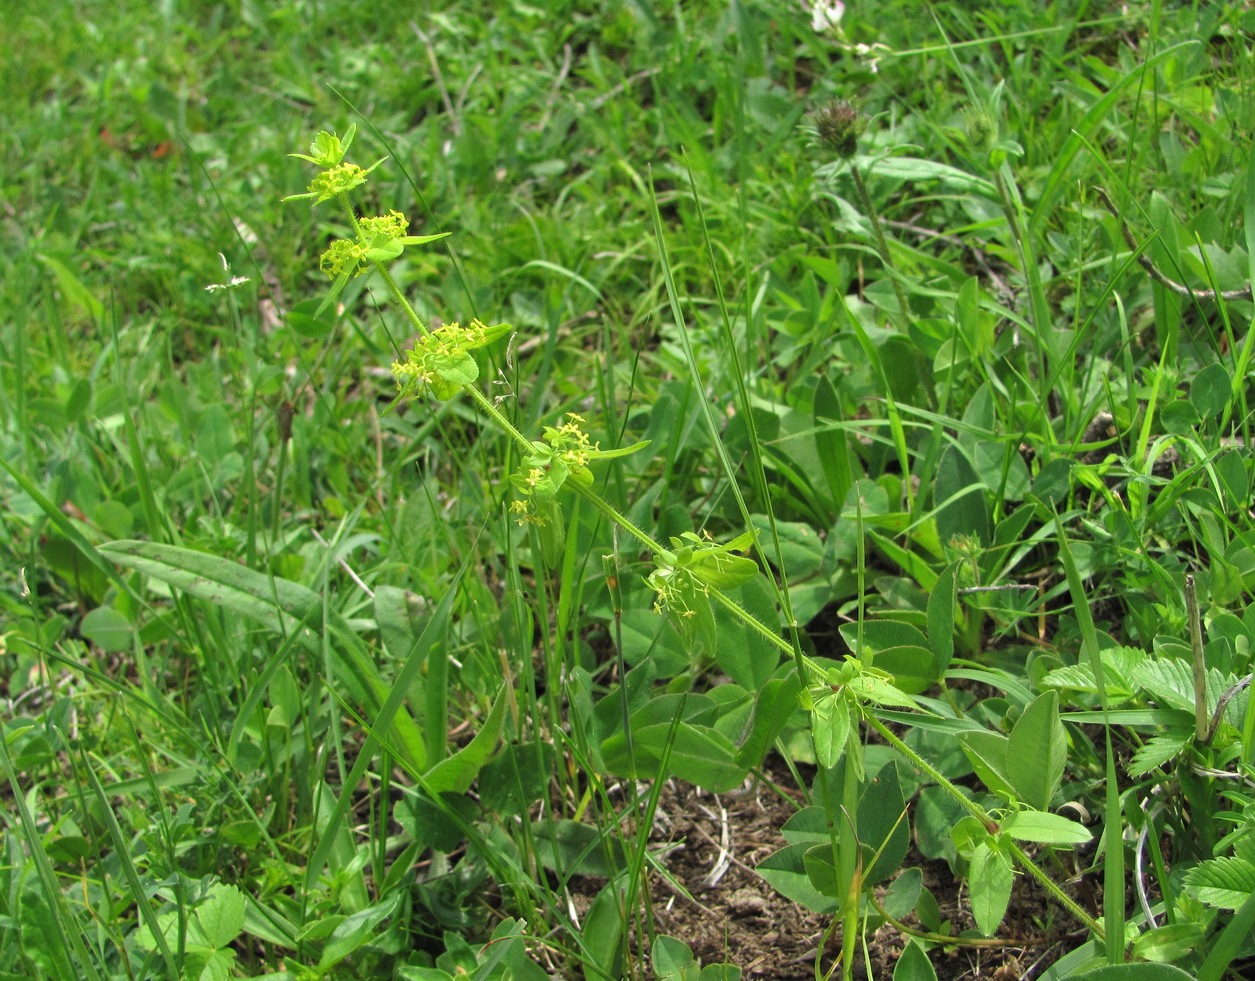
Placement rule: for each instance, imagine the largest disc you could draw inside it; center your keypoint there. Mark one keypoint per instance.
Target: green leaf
(801, 547)
(830, 726)
(914, 965)
(715, 565)
(882, 824)
(744, 653)
(1168, 943)
(72, 288)
(914, 668)
(1037, 752)
(916, 169)
(901, 896)
(673, 961)
(987, 752)
(1118, 667)
(960, 498)
(1045, 828)
(774, 706)
(108, 629)
(808, 826)
(872, 688)
(457, 367)
(1159, 749)
(1210, 390)
(458, 772)
(516, 777)
(355, 930)
(401, 616)
(1236, 934)
(1133, 972)
(989, 878)
(304, 320)
(1223, 882)
(603, 935)
(822, 869)
(941, 604)
(697, 754)
(575, 848)
(878, 635)
(221, 915)
(786, 871)
(1001, 469)
(1169, 681)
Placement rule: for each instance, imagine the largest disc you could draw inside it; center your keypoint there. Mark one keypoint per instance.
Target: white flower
(826, 14)
(235, 280)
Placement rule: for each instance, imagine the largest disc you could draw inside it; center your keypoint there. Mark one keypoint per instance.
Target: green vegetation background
(170, 749)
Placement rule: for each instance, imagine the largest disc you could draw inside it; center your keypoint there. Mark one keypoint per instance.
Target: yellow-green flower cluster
(441, 363)
(379, 238)
(336, 180)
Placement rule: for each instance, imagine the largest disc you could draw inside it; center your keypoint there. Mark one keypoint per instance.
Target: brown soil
(711, 844)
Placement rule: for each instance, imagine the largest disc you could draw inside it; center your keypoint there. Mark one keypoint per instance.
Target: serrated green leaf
(1158, 750)
(221, 915)
(1119, 665)
(1223, 882)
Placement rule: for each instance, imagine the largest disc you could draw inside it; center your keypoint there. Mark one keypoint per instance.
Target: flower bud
(839, 125)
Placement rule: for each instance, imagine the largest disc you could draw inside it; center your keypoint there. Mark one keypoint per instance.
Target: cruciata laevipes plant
(690, 578)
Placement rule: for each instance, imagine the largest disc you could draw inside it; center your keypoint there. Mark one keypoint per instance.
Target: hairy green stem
(882, 244)
(982, 815)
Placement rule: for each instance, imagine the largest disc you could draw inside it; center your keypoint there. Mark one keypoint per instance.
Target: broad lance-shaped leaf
(459, 771)
(1037, 751)
(941, 604)
(1045, 828)
(830, 727)
(990, 877)
(280, 605)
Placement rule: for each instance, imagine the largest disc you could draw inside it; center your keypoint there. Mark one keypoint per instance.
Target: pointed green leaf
(987, 752)
(989, 878)
(941, 604)
(1037, 752)
(1045, 828)
(458, 772)
(914, 965)
(830, 726)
